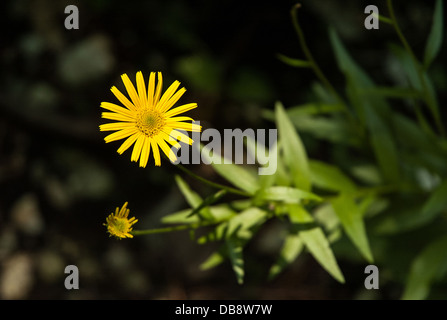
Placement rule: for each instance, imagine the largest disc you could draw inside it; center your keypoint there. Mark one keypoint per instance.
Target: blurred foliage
(375, 156)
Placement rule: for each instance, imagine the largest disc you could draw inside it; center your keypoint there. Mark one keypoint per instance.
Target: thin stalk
(171, 229)
(309, 56)
(213, 184)
(428, 99)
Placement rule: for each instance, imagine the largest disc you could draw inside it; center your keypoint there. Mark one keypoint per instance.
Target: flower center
(119, 226)
(150, 122)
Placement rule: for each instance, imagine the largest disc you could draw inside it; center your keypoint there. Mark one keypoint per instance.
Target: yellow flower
(148, 120)
(118, 224)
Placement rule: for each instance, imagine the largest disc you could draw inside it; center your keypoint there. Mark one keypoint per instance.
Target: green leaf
(420, 81)
(334, 129)
(384, 149)
(325, 215)
(295, 156)
(286, 195)
(238, 175)
(215, 259)
(206, 203)
(218, 213)
(437, 202)
(292, 247)
(329, 177)
(408, 66)
(367, 173)
(435, 38)
(193, 199)
(235, 249)
(414, 215)
(429, 265)
(239, 226)
(373, 111)
(315, 241)
(351, 218)
(297, 63)
(255, 148)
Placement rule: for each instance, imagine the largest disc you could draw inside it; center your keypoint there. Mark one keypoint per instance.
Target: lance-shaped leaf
(295, 156)
(235, 249)
(435, 38)
(292, 247)
(193, 199)
(315, 240)
(329, 177)
(351, 217)
(238, 175)
(286, 195)
(240, 226)
(372, 111)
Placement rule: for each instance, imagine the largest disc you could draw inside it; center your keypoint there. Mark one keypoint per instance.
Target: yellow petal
(116, 126)
(181, 109)
(116, 116)
(137, 148)
(129, 141)
(120, 134)
(131, 90)
(151, 90)
(156, 152)
(115, 108)
(170, 140)
(176, 119)
(168, 104)
(141, 89)
(167, 95)
(186, 126)
(122, 98)
(158, 90)
(179, 136)
(145, 153)
(167, 151)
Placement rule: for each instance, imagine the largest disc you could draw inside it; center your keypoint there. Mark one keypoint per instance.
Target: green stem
(428, 98)
(171, 229)
(213, 184)
(309, 55)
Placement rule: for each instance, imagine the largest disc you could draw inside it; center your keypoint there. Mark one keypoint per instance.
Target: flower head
(148, 119)
(119, 225)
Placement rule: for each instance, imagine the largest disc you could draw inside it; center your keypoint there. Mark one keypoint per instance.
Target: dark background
(59, 180)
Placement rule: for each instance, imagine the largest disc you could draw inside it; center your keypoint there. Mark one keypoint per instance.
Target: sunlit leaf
(238, 175)
(290, 250)
(351, 218)
(286, 195)
(315, 241)
(193, 199)
(219, 213)
(235, 249)
(330, 177)
(295, 156)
